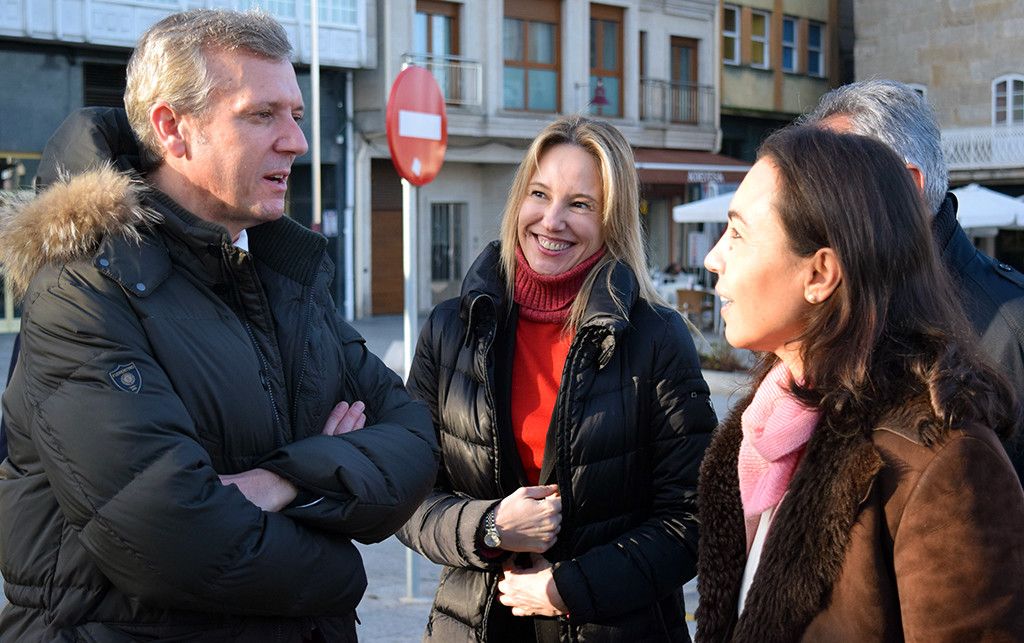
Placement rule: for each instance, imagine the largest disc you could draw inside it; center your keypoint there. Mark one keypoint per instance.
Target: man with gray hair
(993, 292)
(195, 436)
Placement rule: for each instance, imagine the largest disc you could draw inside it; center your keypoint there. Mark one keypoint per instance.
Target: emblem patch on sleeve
(126, 377)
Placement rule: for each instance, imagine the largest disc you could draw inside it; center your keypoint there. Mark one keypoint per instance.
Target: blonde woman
(572, 417)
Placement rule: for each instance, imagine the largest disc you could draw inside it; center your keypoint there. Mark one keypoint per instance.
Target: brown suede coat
(879, 538)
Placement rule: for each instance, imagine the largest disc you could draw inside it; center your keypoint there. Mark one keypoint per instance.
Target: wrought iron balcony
(983, 148)
(460, 79)
(667, 102)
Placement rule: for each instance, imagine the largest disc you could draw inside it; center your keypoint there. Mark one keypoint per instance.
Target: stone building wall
(955, 48)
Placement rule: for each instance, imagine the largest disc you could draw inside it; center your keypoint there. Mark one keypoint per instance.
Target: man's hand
(529, 519)
(531, 592)
(345, 418)
(271, 492)
(265, 489)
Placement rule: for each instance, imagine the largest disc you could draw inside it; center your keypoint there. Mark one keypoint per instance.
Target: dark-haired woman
(860, 493)
(571, 413)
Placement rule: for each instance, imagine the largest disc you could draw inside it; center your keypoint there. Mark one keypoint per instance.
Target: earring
(812, 298)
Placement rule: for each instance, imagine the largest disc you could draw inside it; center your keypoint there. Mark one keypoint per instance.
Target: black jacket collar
(484, 293)
(953, 243)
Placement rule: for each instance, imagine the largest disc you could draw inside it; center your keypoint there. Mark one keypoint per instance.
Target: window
(605, 60)
(1008, 100)
(338, 12)
(332, 12)
(759, 32)
(815, 49)
(435, 37)
(531, 37)
(730, 35)
(446, 222)
(436, 28)
(17, 170)
(642, 54)
(684, 80)
(279, 8)
(104, 84)
(789, 44)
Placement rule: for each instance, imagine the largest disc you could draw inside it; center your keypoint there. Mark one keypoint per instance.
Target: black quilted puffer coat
(629, 428)
(155, 356)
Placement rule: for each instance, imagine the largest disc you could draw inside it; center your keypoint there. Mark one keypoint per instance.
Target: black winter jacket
(628, 431)
(156, 355)
(993, 296)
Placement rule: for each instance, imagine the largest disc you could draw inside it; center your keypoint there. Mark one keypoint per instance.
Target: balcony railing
(460, 79)
(984, 148)
(667, 102)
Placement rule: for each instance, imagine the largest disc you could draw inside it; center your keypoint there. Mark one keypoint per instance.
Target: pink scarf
(776, 427)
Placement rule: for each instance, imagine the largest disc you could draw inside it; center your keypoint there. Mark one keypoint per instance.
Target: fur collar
(68, 220)
(805, 549)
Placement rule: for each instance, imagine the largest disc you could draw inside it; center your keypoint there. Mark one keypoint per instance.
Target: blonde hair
(169, 62)
(620, 217)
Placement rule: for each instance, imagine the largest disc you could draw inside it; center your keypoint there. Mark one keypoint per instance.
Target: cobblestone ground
(388, 616)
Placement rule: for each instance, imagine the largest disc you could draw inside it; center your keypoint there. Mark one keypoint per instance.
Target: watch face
(491, 540)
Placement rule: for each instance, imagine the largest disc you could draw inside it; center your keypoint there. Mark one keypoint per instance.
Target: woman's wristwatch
(492, 538)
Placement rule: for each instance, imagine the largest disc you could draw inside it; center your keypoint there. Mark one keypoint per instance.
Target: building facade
(59, 55)
(507, 68)
(778, 58)
(967, 58)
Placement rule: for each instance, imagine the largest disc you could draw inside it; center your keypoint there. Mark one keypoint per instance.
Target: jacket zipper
(485, 351)
(243, 315)
(279, 440)
(308, 303)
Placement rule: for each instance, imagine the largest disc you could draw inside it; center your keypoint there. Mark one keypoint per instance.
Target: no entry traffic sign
(417, 126)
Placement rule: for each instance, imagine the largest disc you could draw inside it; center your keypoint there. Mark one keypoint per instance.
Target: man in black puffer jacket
(186, 454)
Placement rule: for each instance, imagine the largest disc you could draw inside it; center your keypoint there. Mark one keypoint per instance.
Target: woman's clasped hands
(531, 591)
(528, 520)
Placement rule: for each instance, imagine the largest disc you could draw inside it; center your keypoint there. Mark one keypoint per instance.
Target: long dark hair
(893, 332)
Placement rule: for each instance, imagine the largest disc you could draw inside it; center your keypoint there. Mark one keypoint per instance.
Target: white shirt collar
(242, 241)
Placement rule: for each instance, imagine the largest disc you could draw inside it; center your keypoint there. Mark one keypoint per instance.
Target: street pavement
(390, 612)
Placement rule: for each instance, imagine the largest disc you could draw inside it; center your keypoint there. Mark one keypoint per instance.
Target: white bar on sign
(419, 125)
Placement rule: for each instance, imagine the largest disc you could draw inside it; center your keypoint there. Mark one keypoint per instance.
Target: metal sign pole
(417, 128)
(409, 196)
(314, 77)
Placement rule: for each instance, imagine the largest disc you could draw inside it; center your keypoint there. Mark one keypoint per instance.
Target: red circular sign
(417, 126)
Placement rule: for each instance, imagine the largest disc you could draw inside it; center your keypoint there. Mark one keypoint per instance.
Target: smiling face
(760, 279)
(237, 153)
(559, 222)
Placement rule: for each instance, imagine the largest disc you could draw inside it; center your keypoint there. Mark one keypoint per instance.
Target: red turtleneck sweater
(542, 344)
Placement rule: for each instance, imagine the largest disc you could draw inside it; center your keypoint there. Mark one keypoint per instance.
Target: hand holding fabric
(532, 591)
(528, 520)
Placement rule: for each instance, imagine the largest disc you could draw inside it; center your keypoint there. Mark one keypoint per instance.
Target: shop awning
(679, 167)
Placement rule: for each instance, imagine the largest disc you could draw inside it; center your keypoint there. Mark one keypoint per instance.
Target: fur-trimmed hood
(68, 220)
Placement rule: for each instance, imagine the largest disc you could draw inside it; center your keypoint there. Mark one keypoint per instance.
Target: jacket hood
(89, 168)
(68, 220)
(88, 139)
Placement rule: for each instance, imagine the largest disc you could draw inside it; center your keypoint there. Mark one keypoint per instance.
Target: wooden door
(386, 284)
